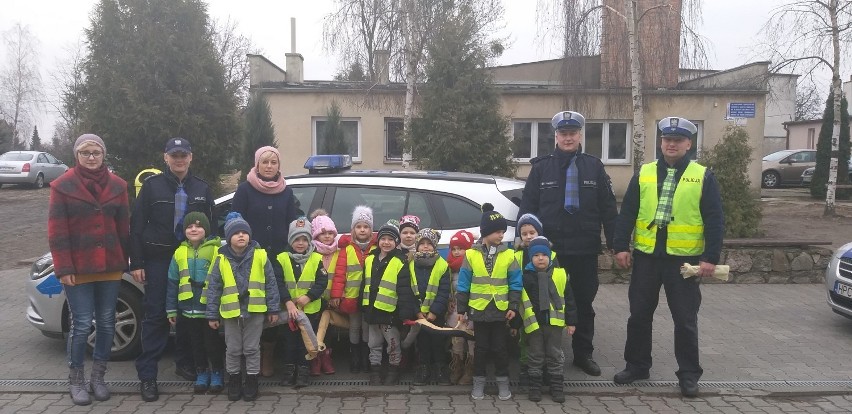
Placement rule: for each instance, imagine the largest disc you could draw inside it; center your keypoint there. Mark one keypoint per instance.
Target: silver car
(838, 281)
(445, 201)
(35, 168)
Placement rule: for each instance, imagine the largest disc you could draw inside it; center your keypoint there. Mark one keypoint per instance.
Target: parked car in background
(444, 201)
(786, 167)
(838, 281)
(35, 168)
(808, 174)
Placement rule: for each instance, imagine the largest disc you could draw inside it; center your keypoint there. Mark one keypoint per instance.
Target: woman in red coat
(88, 229)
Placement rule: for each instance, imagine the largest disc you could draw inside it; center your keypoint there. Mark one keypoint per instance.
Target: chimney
(295, 62)
(382, 67)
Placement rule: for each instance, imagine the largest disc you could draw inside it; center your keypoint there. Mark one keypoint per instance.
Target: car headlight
(841, 251)
(42, 267)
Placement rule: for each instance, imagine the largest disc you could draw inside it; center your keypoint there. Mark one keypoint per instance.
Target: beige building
(802, 134)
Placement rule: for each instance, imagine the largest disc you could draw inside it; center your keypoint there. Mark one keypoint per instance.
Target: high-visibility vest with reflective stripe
(207, 250)
(557, 316)
(332, 264)
(438, 270)
(519, 256)
(685, 233)
(301, 287)
(229, 304)
(386, 297)
(484, 287)
(354, 272)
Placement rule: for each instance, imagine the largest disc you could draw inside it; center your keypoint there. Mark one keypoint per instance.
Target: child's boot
(217, 382)
(376, 375)
(365, 357)
(302, 376)
(393, 375)
(467, 376)
(288, 379)
(503, 392)
(354, 358)
(534, 388)
(267, 358)
(524, 377)
(235, 386)
(202, 381)
(441, 373)
(421, 376)
(326, 362)
(250, 391)
(316, 366)
(77, 386)
(97, 385)
(456, 368)
(478, 391)
(557, 388)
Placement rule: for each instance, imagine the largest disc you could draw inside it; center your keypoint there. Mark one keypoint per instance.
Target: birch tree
(20, 82)
(810, 36)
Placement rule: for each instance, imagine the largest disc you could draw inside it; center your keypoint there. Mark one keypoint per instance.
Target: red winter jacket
(347, 305)
(88, 236)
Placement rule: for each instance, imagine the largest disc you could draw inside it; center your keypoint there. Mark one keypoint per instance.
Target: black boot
(442, 374)
(393, 375)
(421, 376)
(235, 387)
(365, 357)
(557, 388)
(354, 358)
(376, 375)
(250, 390)
(288, 379)
(302, 376)
(523, 377)
(534, 388)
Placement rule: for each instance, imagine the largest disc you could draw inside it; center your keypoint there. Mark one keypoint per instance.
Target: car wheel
(39, 182)
(771, 179)
(127, 342)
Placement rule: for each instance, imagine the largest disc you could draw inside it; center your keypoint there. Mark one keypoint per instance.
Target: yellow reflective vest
(206, 250)
(435, 275)
(386, 297)
(486, 287)
(354, 272)
(685, 232)
(229, 304)
(301, 287)
(557, 315)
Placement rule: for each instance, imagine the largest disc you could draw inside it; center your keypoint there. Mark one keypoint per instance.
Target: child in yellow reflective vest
(430, 275)
(242, 294)
(325, 241)
(489, 293)
(300, 271)
(187, 275)
(547, 307)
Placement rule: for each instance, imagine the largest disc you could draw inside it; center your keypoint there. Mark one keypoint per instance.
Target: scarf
(266, 186)
(455, 262)
(301, 258)
(425, 259)
(326, 250)
(94, 180)
(405, 248)
(361, 245)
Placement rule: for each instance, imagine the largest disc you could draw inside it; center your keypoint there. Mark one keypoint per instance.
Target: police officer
(571, 194)
(156, 229)
(673, 204)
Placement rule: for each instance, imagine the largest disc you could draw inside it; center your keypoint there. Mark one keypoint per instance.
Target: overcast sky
(730, 26)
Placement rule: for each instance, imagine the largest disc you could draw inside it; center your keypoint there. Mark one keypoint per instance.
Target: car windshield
(777, 156)
(16, 156)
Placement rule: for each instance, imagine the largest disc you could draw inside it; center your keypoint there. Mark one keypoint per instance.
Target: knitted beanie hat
(299, 227)
(389, 229)
(362, 214)
(532, 220)
(433, 236)
(260, 152)
(89, 139)
(322, 223)
(463, 239)
(234, 222)
(492, 221)
(197, 218)
(409, 221)
(539, 244)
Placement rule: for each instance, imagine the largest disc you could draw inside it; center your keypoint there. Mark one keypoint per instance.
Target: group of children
(380, 282)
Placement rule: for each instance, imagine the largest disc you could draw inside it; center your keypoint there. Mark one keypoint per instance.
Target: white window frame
(533, 137)
(359, 138)
(628, 148)
(387, 140)
(699, 125)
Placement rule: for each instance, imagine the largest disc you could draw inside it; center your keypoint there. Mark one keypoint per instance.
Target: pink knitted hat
(321, 224)
(260, 152)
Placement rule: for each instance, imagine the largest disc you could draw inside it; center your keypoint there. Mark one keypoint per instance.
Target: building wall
(799, 132)
(780, 105)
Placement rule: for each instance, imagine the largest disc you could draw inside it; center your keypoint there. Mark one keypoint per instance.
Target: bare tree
(68, 79)
(360, 27)
(809, 102)
(231, 50)
(811, 35)
(20, 81)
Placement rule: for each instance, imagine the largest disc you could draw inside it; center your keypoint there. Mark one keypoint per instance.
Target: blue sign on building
(741, 109)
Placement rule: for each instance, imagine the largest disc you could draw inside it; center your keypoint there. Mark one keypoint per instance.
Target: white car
(838, 281)
(444, 201)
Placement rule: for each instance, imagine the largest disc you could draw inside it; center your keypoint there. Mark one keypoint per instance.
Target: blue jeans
(87, 302)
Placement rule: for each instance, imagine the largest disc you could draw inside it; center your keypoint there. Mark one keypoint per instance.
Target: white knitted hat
(362, 214)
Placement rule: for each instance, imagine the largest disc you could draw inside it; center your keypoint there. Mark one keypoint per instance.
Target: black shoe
(442, 374)
(376, 375)
(149, 390)
(235, 387)
(689, 388)
(421, 376)
(354, 358)
(288, 378)
(588, 365)
(627, 376)
(250, 389)
(185, 373)
(303, 374)
(393, 375)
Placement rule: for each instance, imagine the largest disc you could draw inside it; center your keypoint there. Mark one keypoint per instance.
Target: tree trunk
(635, 86)
(411, 60)
(835, 131)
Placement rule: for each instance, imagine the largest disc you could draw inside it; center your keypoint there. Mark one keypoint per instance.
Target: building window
(393, 139)
(811, 136)
(607, 140)
(697, 140)
(530, 139)
(351, 136)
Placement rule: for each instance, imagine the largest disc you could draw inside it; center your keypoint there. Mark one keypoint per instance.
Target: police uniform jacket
(711, 214)
(544, 196)
(152, 233)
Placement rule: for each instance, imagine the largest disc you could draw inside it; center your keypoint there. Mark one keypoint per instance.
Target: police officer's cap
(568, 120)
(677, 127)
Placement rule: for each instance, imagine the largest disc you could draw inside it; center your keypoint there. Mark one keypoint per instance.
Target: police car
(446, 201)
(838, 281)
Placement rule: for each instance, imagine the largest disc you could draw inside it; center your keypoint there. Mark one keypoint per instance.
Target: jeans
(91, 301)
